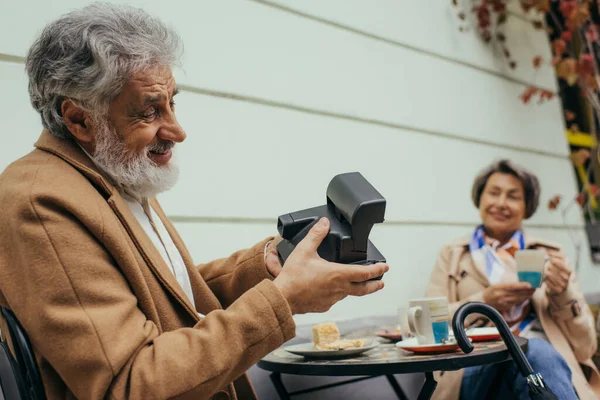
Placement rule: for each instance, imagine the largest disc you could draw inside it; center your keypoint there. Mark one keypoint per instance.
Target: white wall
(280, 96)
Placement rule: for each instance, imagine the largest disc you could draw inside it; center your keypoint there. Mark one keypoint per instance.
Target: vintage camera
(353, 207)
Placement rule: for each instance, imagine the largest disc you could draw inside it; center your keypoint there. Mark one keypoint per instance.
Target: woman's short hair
(531, 185)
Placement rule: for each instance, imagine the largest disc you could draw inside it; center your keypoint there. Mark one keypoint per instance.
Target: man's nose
(172, 131)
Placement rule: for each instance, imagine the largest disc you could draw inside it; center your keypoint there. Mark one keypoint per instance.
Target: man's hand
(503, 296)
(311, 284)
(271, 258)
(557, 274)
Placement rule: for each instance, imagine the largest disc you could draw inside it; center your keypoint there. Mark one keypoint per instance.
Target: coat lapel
(463, 264)
(70, 152)
(149, 253)
(203, 296)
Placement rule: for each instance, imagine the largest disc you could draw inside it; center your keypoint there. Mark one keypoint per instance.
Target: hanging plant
(569, 21)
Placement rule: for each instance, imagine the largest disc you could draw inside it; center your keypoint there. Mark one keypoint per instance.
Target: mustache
(161, 146)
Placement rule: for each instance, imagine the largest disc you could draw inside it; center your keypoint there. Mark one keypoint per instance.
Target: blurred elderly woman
(555, 318)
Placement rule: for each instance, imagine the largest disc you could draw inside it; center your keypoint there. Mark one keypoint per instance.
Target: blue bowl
(534, 278)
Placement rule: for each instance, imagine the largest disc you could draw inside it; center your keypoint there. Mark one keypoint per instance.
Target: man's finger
(361, 273)
(365, 288)
(315, 236)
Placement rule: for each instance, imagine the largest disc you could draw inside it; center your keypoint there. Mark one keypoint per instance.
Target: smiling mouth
(160, 152)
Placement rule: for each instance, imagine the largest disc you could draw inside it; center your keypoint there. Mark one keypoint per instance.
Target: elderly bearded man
(95, 272)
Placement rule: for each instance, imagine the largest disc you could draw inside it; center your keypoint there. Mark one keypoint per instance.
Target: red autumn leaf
(554, 202)
(537, 62)
(567, 7)
(545, 95)
(566, 36)
(528, 94)
(592, 33)
(593, 189)
(578, 17)
(570, 115)
(585, 67)
(580, 199)
(559, 46)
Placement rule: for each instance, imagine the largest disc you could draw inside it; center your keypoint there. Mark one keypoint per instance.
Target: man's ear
(78, 121)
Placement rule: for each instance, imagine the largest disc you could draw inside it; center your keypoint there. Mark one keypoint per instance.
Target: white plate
(308, 350)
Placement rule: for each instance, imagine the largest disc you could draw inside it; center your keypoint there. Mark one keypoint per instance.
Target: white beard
(135, 171)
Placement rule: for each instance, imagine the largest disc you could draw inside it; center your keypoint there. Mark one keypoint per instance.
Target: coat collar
(69, 151)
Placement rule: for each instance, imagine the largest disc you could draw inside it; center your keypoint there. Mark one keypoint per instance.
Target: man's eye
(151, 112)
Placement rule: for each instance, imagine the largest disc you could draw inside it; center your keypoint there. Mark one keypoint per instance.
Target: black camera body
(353, 207)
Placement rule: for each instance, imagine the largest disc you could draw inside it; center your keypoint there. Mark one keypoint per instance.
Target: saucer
(393, 335)
(413, 345)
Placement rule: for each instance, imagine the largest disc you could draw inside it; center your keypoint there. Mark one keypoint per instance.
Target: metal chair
(27, 372)
(11, 385)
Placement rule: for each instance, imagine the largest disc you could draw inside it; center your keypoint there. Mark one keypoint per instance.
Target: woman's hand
(557, 274)
(503, 296)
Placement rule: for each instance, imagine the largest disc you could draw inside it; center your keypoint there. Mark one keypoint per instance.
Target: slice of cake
(326, 336)
(325, 333)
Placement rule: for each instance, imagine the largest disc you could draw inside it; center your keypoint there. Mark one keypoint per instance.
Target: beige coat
(105, 315)
(571, 333)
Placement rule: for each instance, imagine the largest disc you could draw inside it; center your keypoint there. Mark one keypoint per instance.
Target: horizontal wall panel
(411, 253)
(246, 48)
(246, 160)
(412, 25)
(254, 161)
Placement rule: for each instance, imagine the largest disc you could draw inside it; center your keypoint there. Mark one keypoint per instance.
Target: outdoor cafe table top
(386, 359)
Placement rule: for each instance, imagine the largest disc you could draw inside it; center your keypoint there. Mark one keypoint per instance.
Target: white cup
(530, 266)
(428, 319)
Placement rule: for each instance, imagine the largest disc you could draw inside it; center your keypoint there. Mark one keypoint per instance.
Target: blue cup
(530, 266)
(534, 278)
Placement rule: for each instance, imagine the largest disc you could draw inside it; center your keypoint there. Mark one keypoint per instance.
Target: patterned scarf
(493, 260)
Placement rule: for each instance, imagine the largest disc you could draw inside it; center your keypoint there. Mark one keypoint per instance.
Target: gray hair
(89, 54)
(531, 185)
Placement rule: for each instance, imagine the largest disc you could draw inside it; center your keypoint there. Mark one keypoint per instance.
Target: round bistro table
(385, 360)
